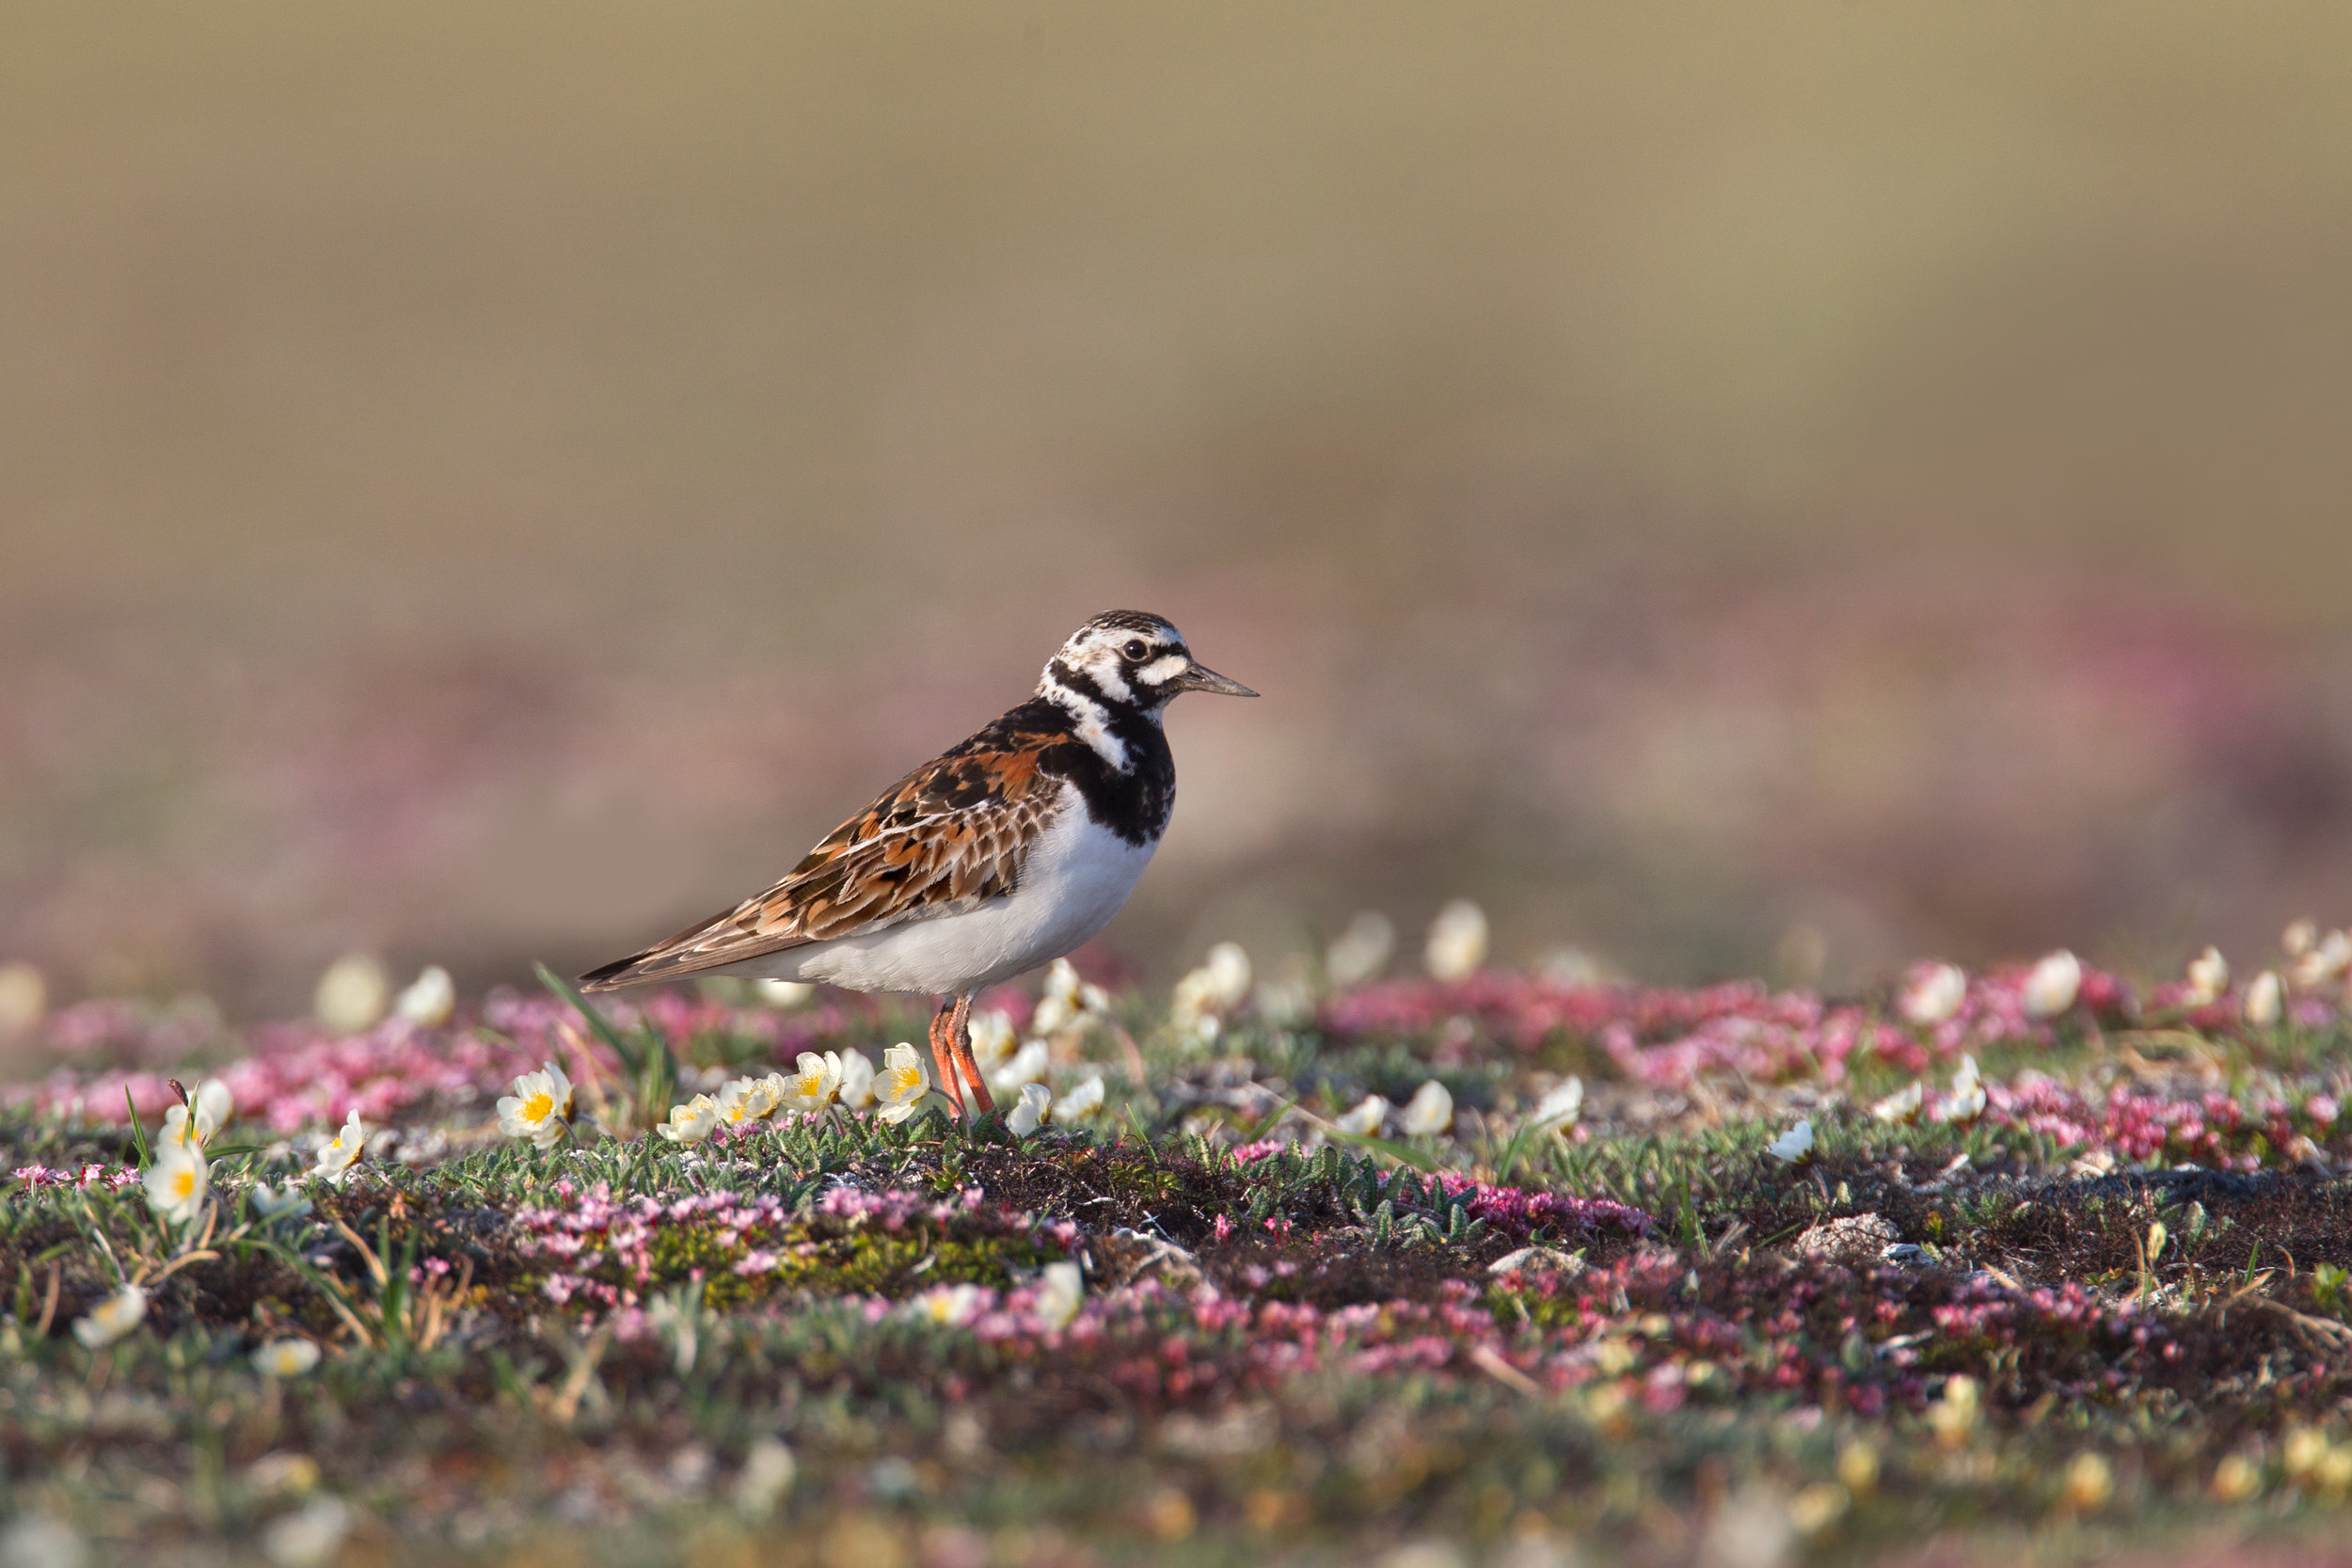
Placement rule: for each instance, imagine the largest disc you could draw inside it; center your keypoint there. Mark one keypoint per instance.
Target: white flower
(113, 1318)
(1084, 1101)
(1068, 1001)
(1361, 952)
(1903, 1104)
(691, 1122)
(286, 1357)
(2297, 938)
(23, 999)
(2325, 961)
(1211, 990)
(1061, 1291)
(901, 1083)
(993, 1037)
(1029, 1110)
(2266, 999)
(176, 1181)
(536, 1109)
(1458, 942)
(768, 1470)
(2053, 985)
(1026, 1066)
(213, 1111)
(1966, 1101)
(338, 1152)
(857, 1078)
(352, 994)
(787, 994)
(946, 1304)
(2208, 977)
(1365, 1119)
(813, 1086)
(1430, 1111)
(278, 1203)
(1794, 1145)
(310, 1536)
(744, 1101)
(1558, 1110)
(1934, 996)
(429, 1000)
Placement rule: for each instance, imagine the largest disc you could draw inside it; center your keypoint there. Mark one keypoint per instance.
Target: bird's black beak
(1201, 679)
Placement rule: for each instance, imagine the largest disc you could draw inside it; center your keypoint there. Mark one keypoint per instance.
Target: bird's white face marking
(1129, 662)
(1094, 720)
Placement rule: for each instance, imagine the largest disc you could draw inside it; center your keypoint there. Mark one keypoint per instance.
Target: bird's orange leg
(959, 1033)
(943, 1054)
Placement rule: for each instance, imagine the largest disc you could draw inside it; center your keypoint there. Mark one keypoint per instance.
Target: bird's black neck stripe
(1133, 801)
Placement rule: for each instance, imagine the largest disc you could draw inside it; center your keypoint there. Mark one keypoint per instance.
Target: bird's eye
(1136, 651)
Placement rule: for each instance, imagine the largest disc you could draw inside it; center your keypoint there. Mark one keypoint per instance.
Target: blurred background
(1738, 489)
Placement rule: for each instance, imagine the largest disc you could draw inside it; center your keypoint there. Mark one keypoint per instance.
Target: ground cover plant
(1489, 1268)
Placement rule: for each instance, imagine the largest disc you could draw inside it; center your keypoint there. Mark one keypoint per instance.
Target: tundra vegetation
(1486, 1267)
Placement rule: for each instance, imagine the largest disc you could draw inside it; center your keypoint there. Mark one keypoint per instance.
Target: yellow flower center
(736, 1111)
(812, 1085)
(183, 1183)
(537, 1106)
(903, 1080)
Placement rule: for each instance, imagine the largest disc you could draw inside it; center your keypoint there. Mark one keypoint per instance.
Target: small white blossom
(1029, 1110)
(1934, 996)
(1902, 1105)
(2326, 960)
(430, 999)
(2208, 978)
(535, 1111)
(352, 994)
(768, 1473)
(1458, 942)
(2265, 1000)
(1211, 990)
(691, 1122)
(176, 1181)
(286, 1357)
(113, 1318)
(1026, 1066)
(1365, 1119)
(817, 1079)
(1361, 952)
(2053, 985)
(946, 1304)
(1430, 1111)
(338, 1152)
(1558, 1110)
(1068, 1001)
(310, 1536)
(857, 1079)
(901, 1083)
(1966, 1101)
(23, 999)
(1794, 1145)
(993, 1037)
(212, 1111)
(744, 1103)
(2299, 938)
(1082, 1101)
(1061, 1291)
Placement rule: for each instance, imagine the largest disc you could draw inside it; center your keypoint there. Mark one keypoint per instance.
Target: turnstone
(1006, 852)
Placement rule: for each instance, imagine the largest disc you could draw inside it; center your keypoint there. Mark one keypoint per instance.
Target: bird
(1007, 851)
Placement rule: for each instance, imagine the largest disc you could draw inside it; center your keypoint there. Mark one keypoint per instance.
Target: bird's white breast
(1076, 876)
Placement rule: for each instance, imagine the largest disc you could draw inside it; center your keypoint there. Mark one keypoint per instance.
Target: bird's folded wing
(951, 834)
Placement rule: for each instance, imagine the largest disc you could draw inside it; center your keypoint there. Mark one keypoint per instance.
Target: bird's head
(1132, 658)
